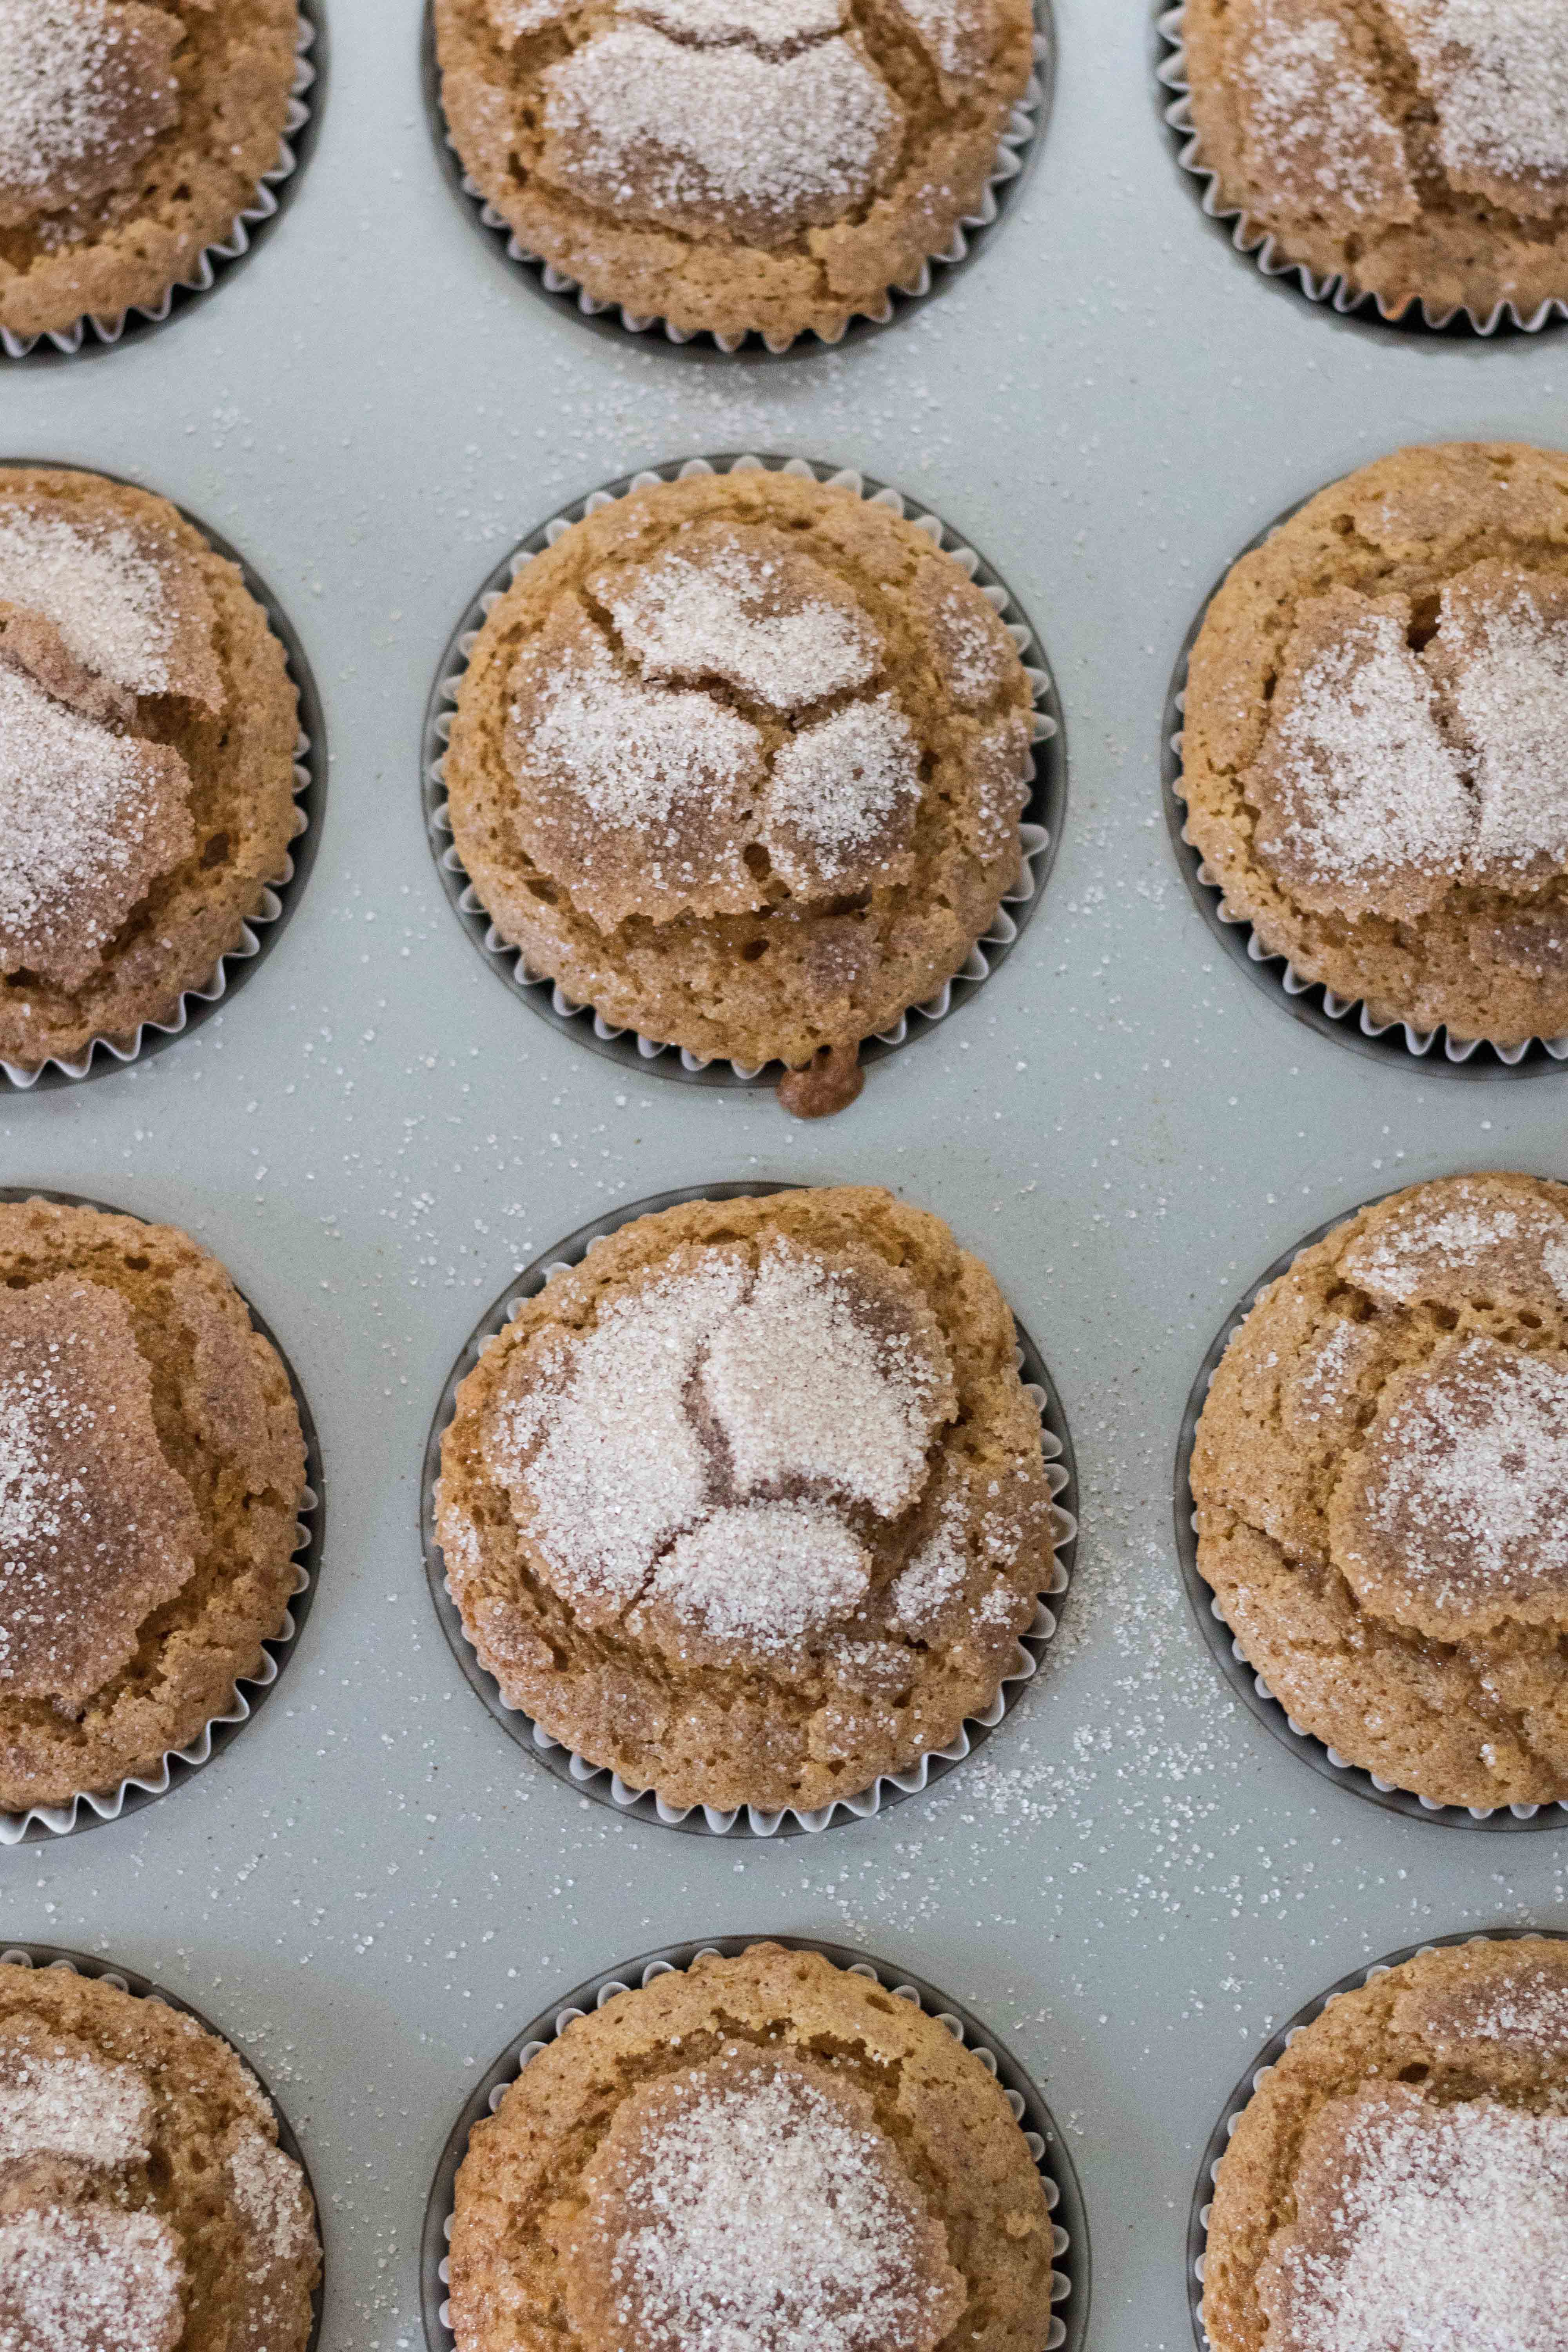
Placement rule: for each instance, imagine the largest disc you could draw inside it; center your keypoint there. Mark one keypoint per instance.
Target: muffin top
(148, 725)
(1404, 2161)
(1416, 148)
(134, 136)
(739, 760)
(152, 1465)
(145, 2201)
(1376, 756)
(750, 1506)
(735, 165)
(766, 2150)
(1380, 1474)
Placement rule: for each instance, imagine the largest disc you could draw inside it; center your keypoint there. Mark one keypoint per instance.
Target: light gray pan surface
(1133, 1883)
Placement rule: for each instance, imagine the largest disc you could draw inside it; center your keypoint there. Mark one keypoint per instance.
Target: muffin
(136, 132)
(1381, 1476)
(1376, 756)
(767, 2150)
(740, 761)
(151, 1467)
(734, 165)
(750, 1508)
(148, 724)
(145, 2201)
(1416, 150)
(1400, 2174)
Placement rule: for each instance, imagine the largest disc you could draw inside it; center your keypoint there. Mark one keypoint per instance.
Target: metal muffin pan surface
(1128, 1881)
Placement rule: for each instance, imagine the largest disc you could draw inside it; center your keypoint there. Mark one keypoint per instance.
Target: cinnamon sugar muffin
(750, 1506)
(1415, 149)
(145, 2204)
(133, 135)
(1400, 2174)
(148, 725)
(733, 165)
(740, 761)
(1381, 1476)
(766, 2150)
(152, 1465)
(1376, 756)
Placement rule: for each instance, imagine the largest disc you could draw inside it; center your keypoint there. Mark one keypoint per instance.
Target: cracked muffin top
(151, 1467)
(1376, 747)
(751, 1507)
(1381, 1476)
(739, 760)
(135, 133)
(1401, 2170)
(767, 2150)
(145, 2201)
(1418, 149)
(733, 165)
(148, 727)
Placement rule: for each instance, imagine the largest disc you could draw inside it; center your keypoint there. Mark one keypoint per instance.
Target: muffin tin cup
(90, 1809)
(1347, 1020)
(1039, 830)
(1267, 2059)
(1070, 2272)
(262, 930)
(1230, 1657)
(596, 1780)
(1016, 151)
(94, 332)
(1259, 245)
(102, 1972)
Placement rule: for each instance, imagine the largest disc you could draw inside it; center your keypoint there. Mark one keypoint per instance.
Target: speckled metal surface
(1133, 1883)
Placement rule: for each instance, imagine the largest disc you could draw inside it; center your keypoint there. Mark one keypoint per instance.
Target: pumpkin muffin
(1375, 755)
(145, 2204)
(133, 134)
(740, 762)
(1415, 150)
(750, 1506)
(1400, 2174)
(767, 2150)
(734, 165)
(151, 1467)
(148, 727)
(1381, 1476)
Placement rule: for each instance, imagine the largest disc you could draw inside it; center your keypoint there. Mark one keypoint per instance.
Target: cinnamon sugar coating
(124, 1635)
(934, 2234)
(1381, 1476)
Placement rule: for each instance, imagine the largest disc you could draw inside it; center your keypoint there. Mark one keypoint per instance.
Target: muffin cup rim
(1071, 2288)
(93, 334)
(1017, 149)
(1044, 813)
(1225, 1647)
(98, 1808)
(1396, 1043)
(1269, 2055)
(597, 1782)
(97, 1969)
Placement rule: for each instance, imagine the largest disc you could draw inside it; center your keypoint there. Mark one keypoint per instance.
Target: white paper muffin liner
(89, 1807)
(1063, 2200)
(1014, 149)
(278, 898)
(1250, 237)
(1232, 1659)
(596, 1780)
(1264, 2064)
(1038, 840)
(97, 328)
(1344, 1018)
(46, 1957)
